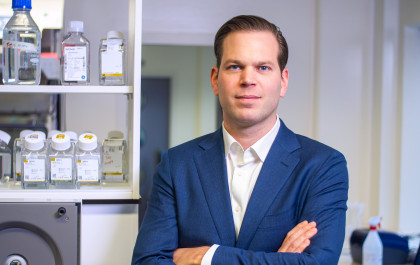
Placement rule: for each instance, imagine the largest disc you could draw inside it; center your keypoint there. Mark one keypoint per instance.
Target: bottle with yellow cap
(17, 155)
(88, 162)
(34, 162)
(61, 162)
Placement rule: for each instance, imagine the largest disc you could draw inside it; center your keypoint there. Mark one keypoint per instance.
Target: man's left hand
(189, 256)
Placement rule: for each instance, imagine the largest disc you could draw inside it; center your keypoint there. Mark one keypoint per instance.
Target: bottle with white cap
(75, 65)
(5, 158)
(17, 154)
(61, 162)
(34, 162)
(114, 157)
(73, 137)
(88, 161)
(112, 67)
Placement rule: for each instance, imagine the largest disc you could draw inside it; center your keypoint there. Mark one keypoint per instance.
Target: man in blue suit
(253, 192)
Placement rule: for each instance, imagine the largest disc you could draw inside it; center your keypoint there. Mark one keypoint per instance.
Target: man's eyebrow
(234, 61)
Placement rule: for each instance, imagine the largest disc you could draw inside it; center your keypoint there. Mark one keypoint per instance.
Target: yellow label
(79, 161)
(88, 136)
(111, 74)
(114, 174)
(25, 161)
(17, 174)
(60, 136)
(52, 159)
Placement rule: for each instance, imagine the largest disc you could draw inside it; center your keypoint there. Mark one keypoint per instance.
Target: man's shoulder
(311, 146)
(197, 144)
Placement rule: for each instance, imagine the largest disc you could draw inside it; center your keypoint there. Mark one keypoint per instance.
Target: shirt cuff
(209, 255)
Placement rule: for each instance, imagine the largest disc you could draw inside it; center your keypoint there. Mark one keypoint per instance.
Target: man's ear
(284, 82)
(214, 73)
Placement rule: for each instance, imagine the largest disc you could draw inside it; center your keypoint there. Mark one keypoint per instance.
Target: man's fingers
(298, 238)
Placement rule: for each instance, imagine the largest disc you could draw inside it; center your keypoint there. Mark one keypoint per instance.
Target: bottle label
(75, 63)
(24, 46)
(112, 63)
(61, 169)
(87, 170)
(34, 170)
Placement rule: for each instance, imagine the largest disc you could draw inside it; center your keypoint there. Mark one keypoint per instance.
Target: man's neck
(247, 135)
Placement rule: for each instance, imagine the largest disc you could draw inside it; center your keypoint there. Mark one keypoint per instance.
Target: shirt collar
(261, 147)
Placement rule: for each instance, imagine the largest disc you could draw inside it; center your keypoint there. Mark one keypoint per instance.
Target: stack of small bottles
(63, 161)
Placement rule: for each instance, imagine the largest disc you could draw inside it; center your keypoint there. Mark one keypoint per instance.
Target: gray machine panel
(39, 233)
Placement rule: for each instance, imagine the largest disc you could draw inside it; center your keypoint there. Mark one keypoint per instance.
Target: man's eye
(264, 68)
(234, 67)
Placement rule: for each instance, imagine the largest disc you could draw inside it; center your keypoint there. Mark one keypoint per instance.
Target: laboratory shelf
(117, 191)
(66, 89)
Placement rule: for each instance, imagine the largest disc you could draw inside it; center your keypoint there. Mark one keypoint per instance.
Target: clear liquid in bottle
(21, 47)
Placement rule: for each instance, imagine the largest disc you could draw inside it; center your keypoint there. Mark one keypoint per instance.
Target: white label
(113, 159)
(61, 169)
(112, 63)
(23, 46)
(88, 170)
(34, 170)
(75, 64)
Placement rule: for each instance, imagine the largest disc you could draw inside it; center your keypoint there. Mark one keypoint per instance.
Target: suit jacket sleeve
(158, 235)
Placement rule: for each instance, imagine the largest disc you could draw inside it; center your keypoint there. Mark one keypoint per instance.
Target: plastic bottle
(114, 158)
(5, 158)
(372, 246)
(21, 47)
(62, 166)
(112, 52)
(34, 162)
(88, 157)
(17, 154)
(75, 69)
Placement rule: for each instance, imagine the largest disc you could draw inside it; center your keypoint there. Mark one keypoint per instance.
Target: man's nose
(247, 77)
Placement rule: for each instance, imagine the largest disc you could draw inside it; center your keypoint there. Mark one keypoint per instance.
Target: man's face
(249, 82)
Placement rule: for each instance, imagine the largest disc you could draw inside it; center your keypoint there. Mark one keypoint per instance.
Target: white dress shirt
(243, 168)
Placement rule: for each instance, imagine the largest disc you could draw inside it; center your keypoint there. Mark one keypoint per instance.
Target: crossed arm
(295, 242)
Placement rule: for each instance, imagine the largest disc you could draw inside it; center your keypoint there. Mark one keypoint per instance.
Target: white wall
(410, 126)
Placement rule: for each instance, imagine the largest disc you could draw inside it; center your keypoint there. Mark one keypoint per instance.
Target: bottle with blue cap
(21, 47)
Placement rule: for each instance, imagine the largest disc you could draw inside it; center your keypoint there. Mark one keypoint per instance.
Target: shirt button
(237, 209)
(240, 173)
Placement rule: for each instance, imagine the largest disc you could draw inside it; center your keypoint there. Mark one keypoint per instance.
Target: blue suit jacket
(301, 179)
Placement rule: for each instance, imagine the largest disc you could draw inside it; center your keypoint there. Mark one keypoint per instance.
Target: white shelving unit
(109, 215)
(68, 89)
(129, 190)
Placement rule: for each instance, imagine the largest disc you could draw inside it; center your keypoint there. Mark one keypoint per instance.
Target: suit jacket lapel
(276, 169)
(211, 166)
